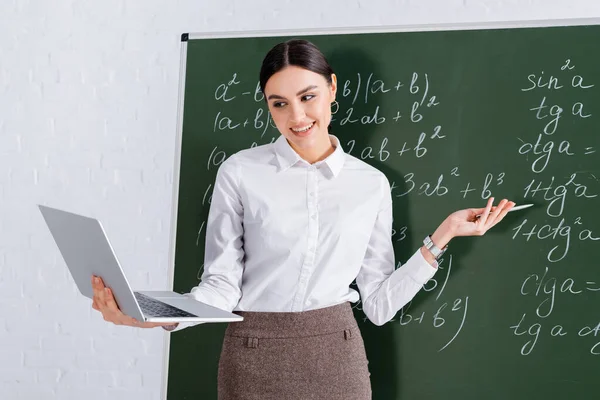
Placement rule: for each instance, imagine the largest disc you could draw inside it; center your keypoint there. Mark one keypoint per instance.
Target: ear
(333, 87)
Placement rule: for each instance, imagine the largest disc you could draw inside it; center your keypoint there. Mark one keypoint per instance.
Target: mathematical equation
(543, 148)
(555, 192)
(359, 90)
(548, 226)
(455, 310)
(550, 289)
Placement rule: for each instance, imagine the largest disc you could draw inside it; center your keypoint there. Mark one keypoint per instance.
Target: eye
(307, 97)
(278, 104)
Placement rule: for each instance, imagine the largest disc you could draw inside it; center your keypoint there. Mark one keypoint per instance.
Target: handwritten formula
(412, 102)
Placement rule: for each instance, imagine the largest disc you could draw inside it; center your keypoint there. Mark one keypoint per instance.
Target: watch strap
(436, 251)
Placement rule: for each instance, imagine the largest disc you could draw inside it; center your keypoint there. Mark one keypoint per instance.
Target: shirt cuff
(418, 268)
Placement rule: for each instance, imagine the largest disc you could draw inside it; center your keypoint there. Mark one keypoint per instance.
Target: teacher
(291, 225)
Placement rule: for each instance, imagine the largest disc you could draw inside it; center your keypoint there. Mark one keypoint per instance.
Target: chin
(304, 142)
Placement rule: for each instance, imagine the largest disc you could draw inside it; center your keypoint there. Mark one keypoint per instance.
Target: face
(300, 103)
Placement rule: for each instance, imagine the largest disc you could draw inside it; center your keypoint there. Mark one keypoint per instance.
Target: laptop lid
(87, 251)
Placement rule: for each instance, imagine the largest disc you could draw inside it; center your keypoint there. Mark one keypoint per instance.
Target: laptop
(86, 250)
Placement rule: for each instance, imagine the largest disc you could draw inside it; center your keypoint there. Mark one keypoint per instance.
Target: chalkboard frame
(185, 37)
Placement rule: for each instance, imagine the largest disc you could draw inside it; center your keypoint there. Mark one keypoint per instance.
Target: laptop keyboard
(155, 308)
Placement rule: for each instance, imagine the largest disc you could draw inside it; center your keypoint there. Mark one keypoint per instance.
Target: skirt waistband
(293, 324)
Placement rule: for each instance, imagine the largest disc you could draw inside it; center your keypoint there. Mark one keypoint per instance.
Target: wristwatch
(436, 251)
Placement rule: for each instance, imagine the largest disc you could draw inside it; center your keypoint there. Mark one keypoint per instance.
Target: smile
(304, 129)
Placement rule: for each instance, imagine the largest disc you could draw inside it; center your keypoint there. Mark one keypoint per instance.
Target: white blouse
(287, 236)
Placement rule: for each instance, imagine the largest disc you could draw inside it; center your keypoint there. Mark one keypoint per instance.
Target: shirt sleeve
(221, 280)
(384, 290)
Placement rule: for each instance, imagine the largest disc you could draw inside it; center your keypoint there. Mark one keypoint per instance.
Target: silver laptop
(87, 251)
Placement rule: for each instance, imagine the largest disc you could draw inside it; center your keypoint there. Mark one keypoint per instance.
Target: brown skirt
(316, 354)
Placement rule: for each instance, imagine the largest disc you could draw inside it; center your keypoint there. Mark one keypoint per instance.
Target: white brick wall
(88, 98)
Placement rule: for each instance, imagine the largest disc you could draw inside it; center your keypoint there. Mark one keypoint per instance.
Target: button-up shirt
(284, 235)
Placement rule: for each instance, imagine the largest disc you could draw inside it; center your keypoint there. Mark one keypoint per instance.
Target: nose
(297, 113)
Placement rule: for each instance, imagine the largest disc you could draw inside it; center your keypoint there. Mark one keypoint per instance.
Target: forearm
(382, 296)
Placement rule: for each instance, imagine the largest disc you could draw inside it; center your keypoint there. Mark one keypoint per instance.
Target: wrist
(442, 235)
(428, 257)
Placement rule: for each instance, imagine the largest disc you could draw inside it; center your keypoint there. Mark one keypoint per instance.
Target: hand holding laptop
(88, 254)
(105, 302)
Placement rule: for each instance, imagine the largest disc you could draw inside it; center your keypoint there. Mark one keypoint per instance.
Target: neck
(319, 152)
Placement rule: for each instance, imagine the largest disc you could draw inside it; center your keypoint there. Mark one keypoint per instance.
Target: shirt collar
(287, 157)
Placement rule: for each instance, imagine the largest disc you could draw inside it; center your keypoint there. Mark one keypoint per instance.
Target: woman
(291, 225)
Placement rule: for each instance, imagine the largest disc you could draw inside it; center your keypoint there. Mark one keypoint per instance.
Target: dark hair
(297, 52)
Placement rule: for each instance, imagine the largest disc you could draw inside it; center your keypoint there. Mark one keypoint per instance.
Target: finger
(500, 214)
(102, 298)
(98, 286)
(486, 211)
(494, 214)
(477, 212)
(99, 304)
(140, 324)
(507, 206)
(100, 283)
(155, 324)
(97, 281)
(112, 305)
(110, 301)
(504, 205)
(104, 302)
(493, 217)
(95, 285)
(116, 315)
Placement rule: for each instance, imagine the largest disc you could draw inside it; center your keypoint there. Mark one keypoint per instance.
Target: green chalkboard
(451, 117)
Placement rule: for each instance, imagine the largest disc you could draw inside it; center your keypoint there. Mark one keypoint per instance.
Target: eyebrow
(276, 96)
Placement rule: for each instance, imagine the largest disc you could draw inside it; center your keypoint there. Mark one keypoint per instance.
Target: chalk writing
(407, 108)
(557, 234)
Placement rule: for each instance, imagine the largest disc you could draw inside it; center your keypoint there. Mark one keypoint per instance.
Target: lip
(306, 133)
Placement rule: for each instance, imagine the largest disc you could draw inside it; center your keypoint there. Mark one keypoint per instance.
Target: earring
(337, 107)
